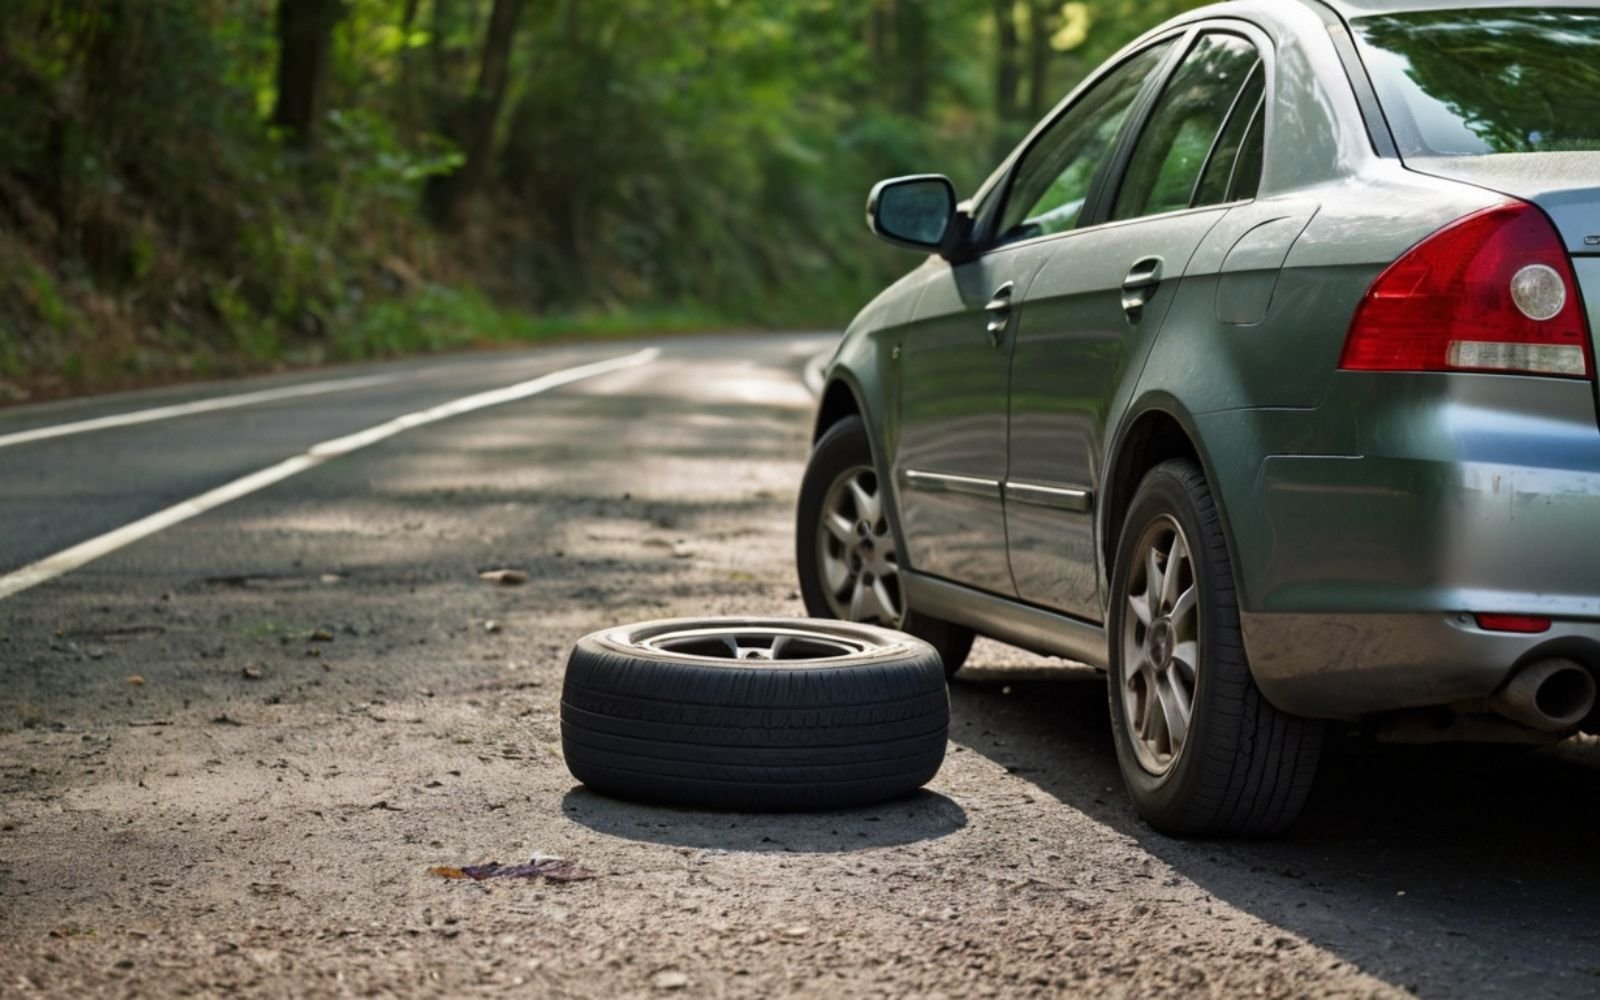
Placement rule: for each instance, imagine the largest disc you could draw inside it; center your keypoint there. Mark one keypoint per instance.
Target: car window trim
(1266, 52)
(1115, 223)
(1380, 130)
(1259, 114)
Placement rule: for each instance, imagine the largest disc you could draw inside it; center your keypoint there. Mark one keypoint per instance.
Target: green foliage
(39, 291)
(655, 165)
(440, 318)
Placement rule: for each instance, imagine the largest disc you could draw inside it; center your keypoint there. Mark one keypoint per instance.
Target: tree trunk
(912, 56)
(873, 32)
(305, 38)
(1041, 25)
(877, 44)
(571, 23)
(1007, 69)
(408, 82)
(472, 125)
(436, 48)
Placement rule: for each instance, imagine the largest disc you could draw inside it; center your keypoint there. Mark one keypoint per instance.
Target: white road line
(198, 406)
(69, 559)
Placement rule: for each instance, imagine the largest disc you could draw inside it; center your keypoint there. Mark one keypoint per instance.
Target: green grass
(40, 290)
(265, 630)
(441, 319)
(436, 319)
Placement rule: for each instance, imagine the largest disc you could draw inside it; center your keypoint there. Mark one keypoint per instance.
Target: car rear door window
(1187, 127)
(1245, 176)
(1053, 180)
(1229, 173)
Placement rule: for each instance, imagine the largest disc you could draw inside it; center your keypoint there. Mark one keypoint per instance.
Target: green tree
(158, 213)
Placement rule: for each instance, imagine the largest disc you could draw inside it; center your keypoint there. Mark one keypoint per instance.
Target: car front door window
(1050, 185)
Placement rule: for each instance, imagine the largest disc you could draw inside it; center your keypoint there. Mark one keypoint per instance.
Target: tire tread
(648, 725)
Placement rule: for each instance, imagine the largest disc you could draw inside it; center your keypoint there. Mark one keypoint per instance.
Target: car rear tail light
(1491, 292)
(1513, 623)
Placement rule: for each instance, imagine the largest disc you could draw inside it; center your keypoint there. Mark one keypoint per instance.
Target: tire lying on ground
(754, 714)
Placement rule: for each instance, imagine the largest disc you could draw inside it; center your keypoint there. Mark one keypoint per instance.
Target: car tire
(758, 715)
(1237, 766)
(844, 451)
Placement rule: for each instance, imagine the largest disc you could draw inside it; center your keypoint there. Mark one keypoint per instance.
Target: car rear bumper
(1375, 526)
(1350, 665)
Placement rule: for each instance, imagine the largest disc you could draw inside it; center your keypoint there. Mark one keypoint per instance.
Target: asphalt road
(231, 751)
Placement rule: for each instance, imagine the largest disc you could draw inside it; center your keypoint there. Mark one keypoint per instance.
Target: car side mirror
(913, 212)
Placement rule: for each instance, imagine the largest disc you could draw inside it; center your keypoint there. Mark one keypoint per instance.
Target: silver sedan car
(1261, 375)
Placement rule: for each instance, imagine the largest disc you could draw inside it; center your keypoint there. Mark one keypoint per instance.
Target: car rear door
(1092, 311)
(955, 357)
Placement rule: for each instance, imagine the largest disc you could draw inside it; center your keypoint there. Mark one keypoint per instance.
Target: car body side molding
(1058, 497)
(941, 482)
(1024, 625)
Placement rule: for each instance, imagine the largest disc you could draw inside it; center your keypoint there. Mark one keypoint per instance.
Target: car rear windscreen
(1487, 80)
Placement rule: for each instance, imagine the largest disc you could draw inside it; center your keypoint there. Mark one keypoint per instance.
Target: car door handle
(999, 310)
(1140, 285)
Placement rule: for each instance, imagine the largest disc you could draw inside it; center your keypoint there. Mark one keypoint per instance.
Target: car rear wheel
(845, 546)
(1201, 751)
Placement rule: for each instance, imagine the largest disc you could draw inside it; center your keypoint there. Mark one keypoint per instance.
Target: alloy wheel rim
(761, 643)
(1160, 646)
(860, 570)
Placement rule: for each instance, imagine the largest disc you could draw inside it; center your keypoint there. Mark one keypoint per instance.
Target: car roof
(1361, 8)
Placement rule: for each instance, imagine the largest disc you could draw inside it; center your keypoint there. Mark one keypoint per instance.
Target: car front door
(1093, 309)
(950, 461)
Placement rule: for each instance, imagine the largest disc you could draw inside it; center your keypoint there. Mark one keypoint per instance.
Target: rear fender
(1113, 505)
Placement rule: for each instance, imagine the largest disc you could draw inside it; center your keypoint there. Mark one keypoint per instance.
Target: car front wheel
(1201, 751)
(845, 546)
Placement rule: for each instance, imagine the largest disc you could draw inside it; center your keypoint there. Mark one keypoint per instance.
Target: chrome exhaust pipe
(1547, 695)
